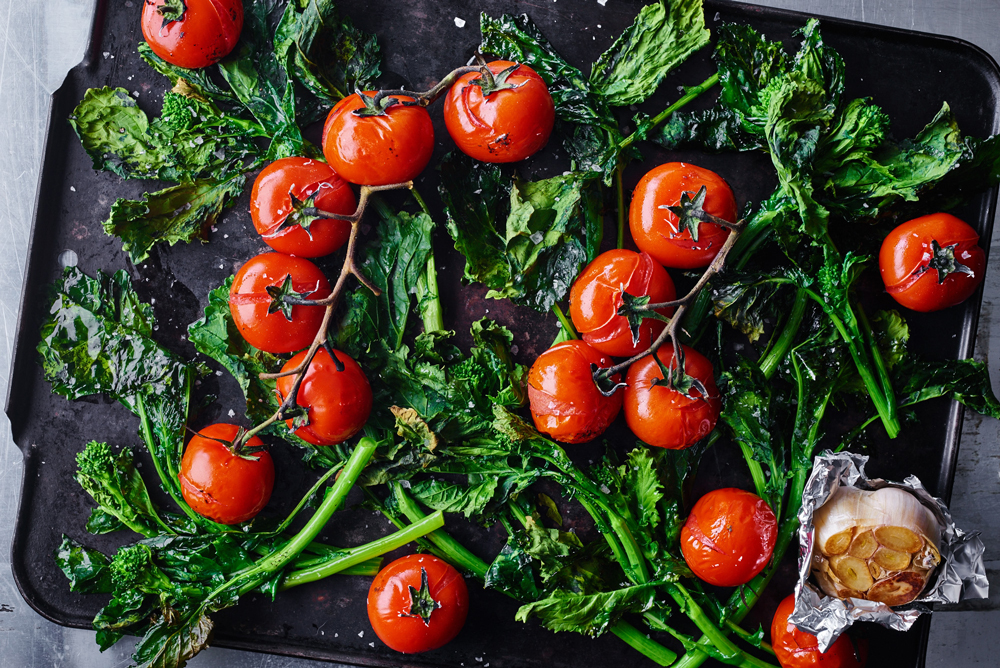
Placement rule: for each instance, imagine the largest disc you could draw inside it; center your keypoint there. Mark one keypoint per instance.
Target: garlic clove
(864, 545)
(899, 589)
(852, 572)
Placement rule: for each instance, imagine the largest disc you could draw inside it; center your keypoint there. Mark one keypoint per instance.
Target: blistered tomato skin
(339, 401)
(729, 537)
(378, 150)
(664, 417)
(655, 229)
(565, 402)
(505, 126)
(909, 262)
(249, 302)
(596, 296)
(390, 603)
(221, 486)
(798, 649)
(205, 34)
(271, 205)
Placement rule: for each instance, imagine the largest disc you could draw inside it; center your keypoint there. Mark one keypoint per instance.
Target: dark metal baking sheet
(908, 74)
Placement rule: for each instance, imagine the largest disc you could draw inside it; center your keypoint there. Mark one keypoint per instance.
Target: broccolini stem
(769, 364)
(689, 94)
(365, 552)
(620, 191)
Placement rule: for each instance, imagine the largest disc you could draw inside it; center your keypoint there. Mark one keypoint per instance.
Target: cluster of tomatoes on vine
(495, 112)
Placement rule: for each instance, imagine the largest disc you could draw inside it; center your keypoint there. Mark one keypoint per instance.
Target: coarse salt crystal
(459, 23)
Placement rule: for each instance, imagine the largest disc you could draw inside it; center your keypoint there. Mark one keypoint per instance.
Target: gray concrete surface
(41, 41)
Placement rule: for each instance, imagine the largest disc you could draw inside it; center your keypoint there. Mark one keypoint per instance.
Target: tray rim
(53, 159)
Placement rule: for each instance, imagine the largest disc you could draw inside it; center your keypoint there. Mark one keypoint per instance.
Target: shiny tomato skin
(596, 296)
(249, 301)
(507, 125)
(905, 254)
(729, 537)
(271, 204)
(205, 34)
(389, 604)
(654, 230)
(664, 417)
(565, 402)
(339, 402)
(221, 486)
(798, 649)
(378, 150)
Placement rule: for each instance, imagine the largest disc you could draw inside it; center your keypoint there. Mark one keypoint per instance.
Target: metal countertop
(41, 41)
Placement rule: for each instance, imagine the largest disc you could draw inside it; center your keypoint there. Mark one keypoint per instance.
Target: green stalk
(620, 189)
(875, 390)
(252, 577)
(450, 549)
(169, 482)
(420, 201)
(880, 368)
(770, 362)
(756, 471)
(689, 94)
(640, 641)
(429, 298)
(365, 552)
(731, 653)
(568, 331)
(749, 638)
(456, 553)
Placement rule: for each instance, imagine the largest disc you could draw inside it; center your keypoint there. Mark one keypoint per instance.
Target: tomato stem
(428, 97)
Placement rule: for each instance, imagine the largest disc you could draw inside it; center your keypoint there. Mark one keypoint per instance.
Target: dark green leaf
(662, 36)
(965, 381)
(85, 568)
(591, 614)
(512, 573)
(170, 646)
(179, 213)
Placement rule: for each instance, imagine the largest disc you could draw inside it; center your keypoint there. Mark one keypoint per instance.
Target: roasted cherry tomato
(223, 486)
(287, 186)
(336, 394)
(596, 297)
(504, 117)
(798, 649)
(417, 603)
(665, 417)
(390, 146)
(655, 228)
(192, 33)
(264, 320)
(729, 537)
(565, 402)
(932, 262)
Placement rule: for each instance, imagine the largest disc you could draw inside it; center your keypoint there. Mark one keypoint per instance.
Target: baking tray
(909, 74)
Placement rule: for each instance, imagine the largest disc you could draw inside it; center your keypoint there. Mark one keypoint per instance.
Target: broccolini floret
(132, 568)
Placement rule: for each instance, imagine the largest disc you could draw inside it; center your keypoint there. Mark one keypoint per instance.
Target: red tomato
(596, 297)
(565, 402)
(339, 402)
(202, 34)
(417, 603)
(219, 485)
(271, 205)
(249, 302)
(506, 125)
(378, 150)
(932, 262)
(664, 417)
(655, 229)
(798, 649)
(729, 537)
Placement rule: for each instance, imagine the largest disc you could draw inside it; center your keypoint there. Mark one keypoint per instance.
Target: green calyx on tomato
(491, 83)
(172, 10)
(690, 212)
(236, 445)
(285, 296)
(422, 604)
(944, 262)
(674, 377)
(300, 215)
(605, 384)
(378, 104)
(633, 308)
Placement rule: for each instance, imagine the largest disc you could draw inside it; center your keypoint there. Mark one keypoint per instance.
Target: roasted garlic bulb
(880, 546)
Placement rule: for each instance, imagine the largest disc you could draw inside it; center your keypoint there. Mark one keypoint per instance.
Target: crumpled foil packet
(961, 574)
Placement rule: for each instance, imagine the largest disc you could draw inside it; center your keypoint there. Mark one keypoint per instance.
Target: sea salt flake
(459, 23)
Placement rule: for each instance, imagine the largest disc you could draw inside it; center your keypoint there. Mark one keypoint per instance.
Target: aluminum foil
(960, 576)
